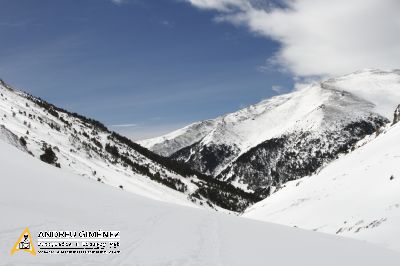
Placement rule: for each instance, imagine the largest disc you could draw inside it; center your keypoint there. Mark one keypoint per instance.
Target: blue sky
(146, 66)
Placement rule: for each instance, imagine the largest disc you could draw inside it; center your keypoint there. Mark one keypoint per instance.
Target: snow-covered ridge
(176, 140)
(355, 196)
(382, 88)
(329, 117)
(256, 123)
(86, 147)
(153, 232)
(72, 144)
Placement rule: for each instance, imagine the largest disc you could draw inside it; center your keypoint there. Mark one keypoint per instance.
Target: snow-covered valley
(325, 157)
(42, 197)
(200, 133)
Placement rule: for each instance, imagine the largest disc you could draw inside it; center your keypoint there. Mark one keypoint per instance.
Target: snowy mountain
(86, 147)
(46, 198)
(288, 136)
(173, 142)
(355, 196)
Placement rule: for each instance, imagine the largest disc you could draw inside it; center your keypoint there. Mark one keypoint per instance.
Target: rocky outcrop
(396, 115)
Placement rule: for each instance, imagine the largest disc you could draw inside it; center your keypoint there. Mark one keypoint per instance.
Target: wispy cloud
(150, 130)
(277, 88)
(320, 37)
(119, 2)
(167, 23)
(124, 125)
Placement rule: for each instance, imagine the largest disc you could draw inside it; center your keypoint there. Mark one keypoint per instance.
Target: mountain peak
(303, 129)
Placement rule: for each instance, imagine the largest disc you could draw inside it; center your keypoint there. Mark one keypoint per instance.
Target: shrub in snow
(49, 157)
(22, 141)
(113, 150)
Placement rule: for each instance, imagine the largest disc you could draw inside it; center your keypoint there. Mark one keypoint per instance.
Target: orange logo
(24, 243)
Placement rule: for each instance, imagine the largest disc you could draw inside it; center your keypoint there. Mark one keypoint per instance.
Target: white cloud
(220, 5)
(320, 37)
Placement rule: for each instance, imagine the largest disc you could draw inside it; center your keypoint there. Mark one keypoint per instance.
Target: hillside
(43, 197)
(84, 146)
(288, 136)
(355, 196)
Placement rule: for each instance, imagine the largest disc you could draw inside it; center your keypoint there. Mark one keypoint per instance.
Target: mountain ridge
(354, 105)
(86, 147)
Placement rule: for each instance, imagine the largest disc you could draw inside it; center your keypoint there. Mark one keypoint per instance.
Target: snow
(355, 196)
(250, 126)
(379, 87)
(180, 138)
(42, 197)
(20, 116)
(369, 92)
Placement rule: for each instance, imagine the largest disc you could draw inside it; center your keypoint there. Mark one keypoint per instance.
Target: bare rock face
(396, 115)
(10, 138)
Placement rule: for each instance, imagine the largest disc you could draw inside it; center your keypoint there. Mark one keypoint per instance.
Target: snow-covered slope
(357, 195)
(305, 129)
(181, 138)
(43, 198)
(376, 86)
(86, 147)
